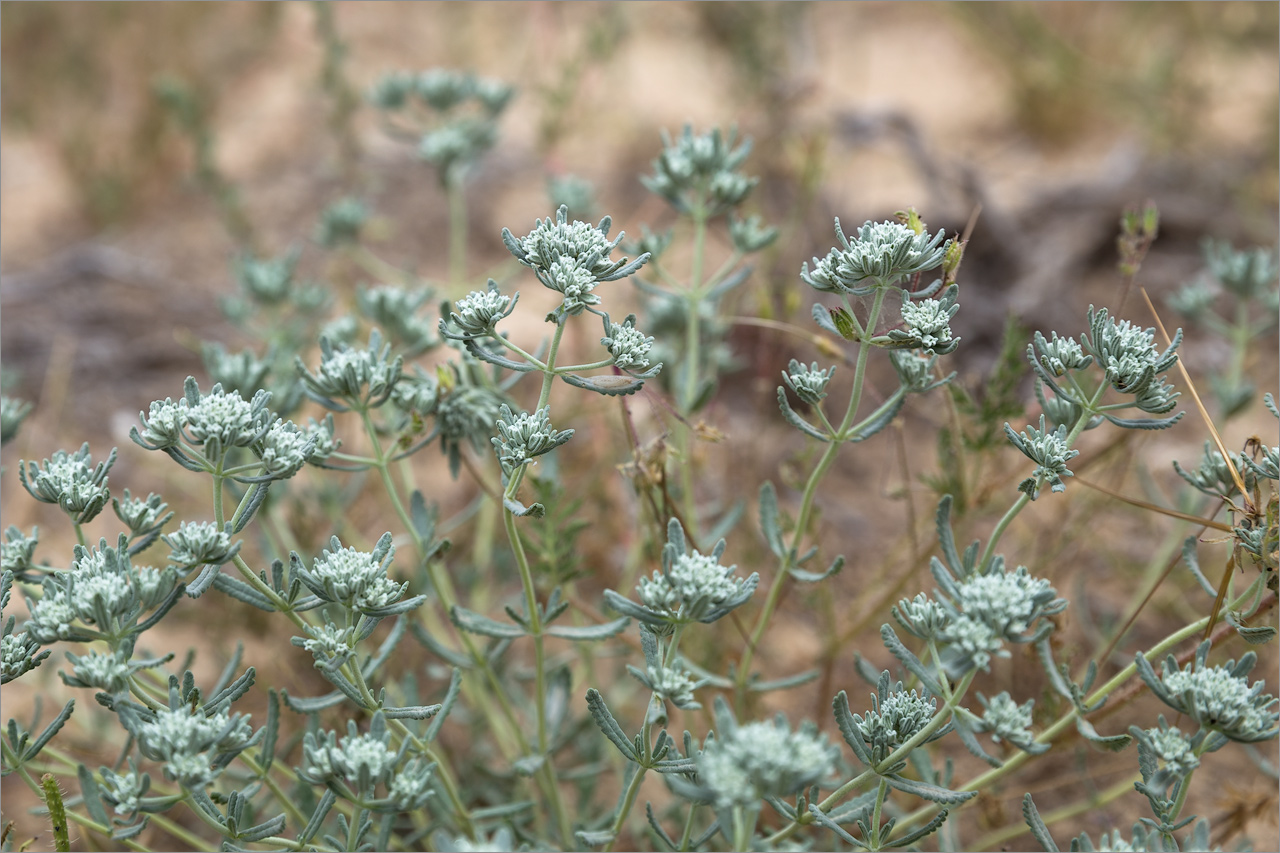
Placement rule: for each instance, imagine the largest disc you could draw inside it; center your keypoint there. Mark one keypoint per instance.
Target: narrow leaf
(795, 420)
(241, 591)
(908, 659)
(932, 793)
(310, 705)
(1110, 743)
(590, 632)
(92, 795)
(478, 624)
(317, 817)
(783, 683)
(922, 831)
(769, 519)
(813, 577)
(608, 725)
(849, 728)
(1041, 832)
(450, 696)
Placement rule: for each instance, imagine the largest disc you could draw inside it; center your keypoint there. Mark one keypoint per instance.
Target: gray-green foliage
(409, 636)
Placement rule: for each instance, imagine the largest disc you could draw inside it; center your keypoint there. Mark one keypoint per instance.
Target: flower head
(927, 323)
(395, 310)
(896, 716)
(884, 252)
(1217, 698)
(571, 258)
(12, 413)
(760, 759)
(355, 579)
(700, 171)
(1133, 365)
(809, 383)
(627, 344)
(1049, 450)
(524, 436)
(352, 378)
(71, 482)
(476, 314)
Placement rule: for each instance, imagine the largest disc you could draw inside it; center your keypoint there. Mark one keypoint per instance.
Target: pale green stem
(549, 375)
(1013, 830)
(1089, 410)
(806, 501)
(353, 828)
(628, 801)
(444, 589)
(539, 659)
(457, 234)
(694, 298)
(875, 840)
(742, 827)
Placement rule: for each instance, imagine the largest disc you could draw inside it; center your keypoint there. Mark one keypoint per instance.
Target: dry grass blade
(1172, 513)
(1249, 508)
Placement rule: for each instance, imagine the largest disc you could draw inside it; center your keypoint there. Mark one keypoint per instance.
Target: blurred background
(1051, 116)
(146, 145)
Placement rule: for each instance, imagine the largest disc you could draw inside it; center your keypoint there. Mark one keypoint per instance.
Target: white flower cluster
(762, 760)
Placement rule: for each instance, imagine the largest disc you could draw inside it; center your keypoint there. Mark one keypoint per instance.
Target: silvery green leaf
(820, 817)
(795, 420)
(1144, 423)
(909, 660)
(450, 697)
(494, 356)
(310, 705)
(241, 591)
(589, 632)
(970, 741)
(880, 418)
(813, 577)
(1041, 832)
(822, 316)
(124, 833)
(1256, 635)
(411, 712)
(946, 538)
(782, 808)
(921, 831)
(729, 282)
(783, 683)
(769, 519)
(477, 624)
(455, 659)
(657, 828)
(519, 510)
(932, 793)
(849, 728)
(597, 838)
(162, 609)
(55, 725)
(396, 608)
(608, 725)
(627, 607)
(317, 817)
(608, 385)
(271, 731)
(1110, 743)
(245, 515)
(203, 581)
(92, 796)
(1193, 564)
